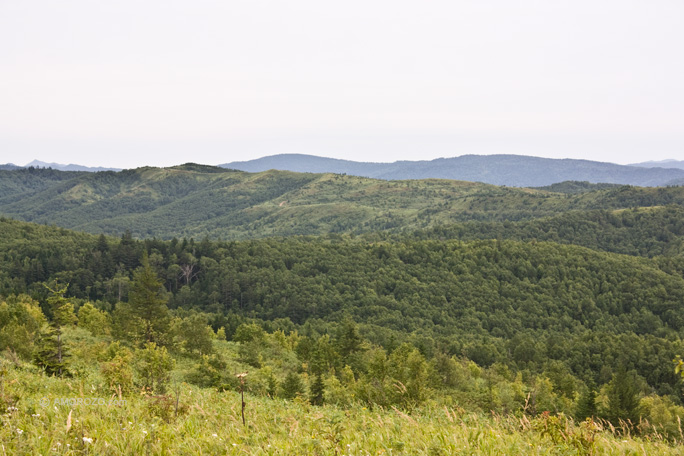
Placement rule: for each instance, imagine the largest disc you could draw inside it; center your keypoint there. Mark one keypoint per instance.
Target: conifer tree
(50, 353)
(317, 393)
(148, 308)
(348, 339)
(586, 406)
(292, 386)
(623, 399)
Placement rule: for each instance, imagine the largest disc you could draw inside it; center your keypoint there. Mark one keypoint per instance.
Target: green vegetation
(208, 422)
(510, 326)
(513, 321)
(42, 415)
(650, 231)
(202, 201)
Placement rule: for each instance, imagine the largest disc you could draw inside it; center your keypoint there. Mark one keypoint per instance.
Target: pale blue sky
(132, 83)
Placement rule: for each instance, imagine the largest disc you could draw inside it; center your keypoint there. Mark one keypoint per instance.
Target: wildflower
(19, 431)
(214, 435)
(87, 440)
(36, 415)
(235, 444)
(144, 432)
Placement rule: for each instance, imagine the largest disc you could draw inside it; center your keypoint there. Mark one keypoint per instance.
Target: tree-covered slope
(22, 182)
(524, 304)
(198, 201)
(650, 231)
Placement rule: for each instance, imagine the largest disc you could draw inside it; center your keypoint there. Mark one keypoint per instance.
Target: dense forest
(528, 310)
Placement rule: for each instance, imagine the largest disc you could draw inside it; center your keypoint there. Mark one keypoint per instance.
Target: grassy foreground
(209, 422)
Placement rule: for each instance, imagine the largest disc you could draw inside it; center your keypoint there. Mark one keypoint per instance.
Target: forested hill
(511, 170)
(528, 305)
(198, 201)
(653, 231)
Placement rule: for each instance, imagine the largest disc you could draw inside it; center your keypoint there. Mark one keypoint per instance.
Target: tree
(348, 339)
(292, 386)
(317, 391)
(153, 365)
(116, 368)
(20, 323)
(209, 372)
(94, 320)
(194, 335)
(586, 406)
(51, 354)
(623, 398)
(147, 302)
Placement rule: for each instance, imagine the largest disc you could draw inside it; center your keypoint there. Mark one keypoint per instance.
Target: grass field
(37, 418)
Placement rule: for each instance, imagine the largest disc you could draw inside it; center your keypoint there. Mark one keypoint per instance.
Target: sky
(132, 83)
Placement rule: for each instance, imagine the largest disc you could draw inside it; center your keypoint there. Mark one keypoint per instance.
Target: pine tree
(292, 386)
(50, 353)
(317, 393)
(623, 399)
(148, 305)
(348, 339)
(586, 405)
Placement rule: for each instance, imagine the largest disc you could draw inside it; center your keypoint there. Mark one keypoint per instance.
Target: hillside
(208, 421)
(198, 201)
(653, 231)
(348, 337)
(509, 170)
(23, 182)
(480, 299)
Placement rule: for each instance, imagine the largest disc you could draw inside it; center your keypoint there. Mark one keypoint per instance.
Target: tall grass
(209, 422)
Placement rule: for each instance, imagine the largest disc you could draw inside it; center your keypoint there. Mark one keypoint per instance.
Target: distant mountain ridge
(510, 170)
(661, 164)
(61, 167)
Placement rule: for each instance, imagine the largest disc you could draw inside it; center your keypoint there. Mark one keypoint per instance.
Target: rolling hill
(510, 170)
(196, 200)
(522, 304)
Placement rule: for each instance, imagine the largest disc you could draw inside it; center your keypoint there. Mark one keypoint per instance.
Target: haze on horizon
(126, 84)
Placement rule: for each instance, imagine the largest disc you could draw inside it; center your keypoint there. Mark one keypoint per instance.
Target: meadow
(207, 421)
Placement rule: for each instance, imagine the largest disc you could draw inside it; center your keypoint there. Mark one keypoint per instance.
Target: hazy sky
(130, 83)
